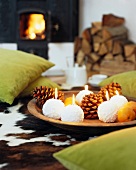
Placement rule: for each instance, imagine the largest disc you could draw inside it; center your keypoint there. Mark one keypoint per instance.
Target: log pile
(105, 46)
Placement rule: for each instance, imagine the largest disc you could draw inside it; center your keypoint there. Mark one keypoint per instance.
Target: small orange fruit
(68, 101)
(126, 114)
(131, 104)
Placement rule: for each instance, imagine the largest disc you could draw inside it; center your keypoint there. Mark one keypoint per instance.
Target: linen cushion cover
(41, 81)
(17, 70)
(116, 150)
(127, 80)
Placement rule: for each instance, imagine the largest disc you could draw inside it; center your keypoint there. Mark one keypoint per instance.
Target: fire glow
(36, 26)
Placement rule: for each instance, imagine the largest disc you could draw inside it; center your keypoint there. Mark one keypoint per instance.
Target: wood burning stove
(32, 24)
(33, 33)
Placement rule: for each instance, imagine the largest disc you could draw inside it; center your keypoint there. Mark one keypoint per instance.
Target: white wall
(92, 10)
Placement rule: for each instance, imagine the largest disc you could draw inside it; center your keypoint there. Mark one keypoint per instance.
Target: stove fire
(33, 27)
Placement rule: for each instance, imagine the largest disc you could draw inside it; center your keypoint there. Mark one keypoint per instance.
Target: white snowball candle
(72, 113)
(52, 108)
(81, 94)
(119, 100)
(107, 112)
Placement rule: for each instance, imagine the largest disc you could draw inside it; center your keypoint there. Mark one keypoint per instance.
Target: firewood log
(86, 47)
(108, 56)
(119, 58)
(109, 45)
(129, 49)
(86, 34)
(96, 46)
(117, 49)
(88, 67)
(110, 32)
(80, 58)
(97, 39)
(97, 24)
(103, 49)
(132, 58)
(96, 67)
(111, 20)
(77, 45)
(94, 57)
(96, 27)
(99, 33)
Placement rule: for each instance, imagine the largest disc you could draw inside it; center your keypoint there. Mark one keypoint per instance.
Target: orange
(132, 105)
(68, 101)
(126, 114)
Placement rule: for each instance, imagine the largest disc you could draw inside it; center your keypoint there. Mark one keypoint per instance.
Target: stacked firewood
(105, 46)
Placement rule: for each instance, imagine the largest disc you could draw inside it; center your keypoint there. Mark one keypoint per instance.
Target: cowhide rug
(27, 142)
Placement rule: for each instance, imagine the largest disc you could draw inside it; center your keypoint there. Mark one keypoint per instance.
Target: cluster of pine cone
(91, 102)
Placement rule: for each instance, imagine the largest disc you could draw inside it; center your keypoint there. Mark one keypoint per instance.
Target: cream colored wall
(92, 10)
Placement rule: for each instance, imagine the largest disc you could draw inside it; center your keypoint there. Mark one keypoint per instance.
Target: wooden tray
(92, 127)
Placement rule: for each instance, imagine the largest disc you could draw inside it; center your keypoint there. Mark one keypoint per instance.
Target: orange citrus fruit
(126, 114)
(68, 101)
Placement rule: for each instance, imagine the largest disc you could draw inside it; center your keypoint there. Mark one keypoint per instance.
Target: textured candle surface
(81, 94)
(52, 108)
(119, 100)
(72, 113)
(107, 111)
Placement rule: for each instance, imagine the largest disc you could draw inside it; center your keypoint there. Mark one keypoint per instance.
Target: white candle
(81, 94)
(52, 107)
(107, 111)
(119, 100)
(72, 113)
(56, 93)
(86, 87)
(117, 93)
(107, 95)
(73, 99)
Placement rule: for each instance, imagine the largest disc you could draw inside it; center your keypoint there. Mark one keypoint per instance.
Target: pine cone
(43, 93)
(90, 104)
(111, 89)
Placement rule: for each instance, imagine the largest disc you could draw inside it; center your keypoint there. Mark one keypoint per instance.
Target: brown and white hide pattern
(27, 142)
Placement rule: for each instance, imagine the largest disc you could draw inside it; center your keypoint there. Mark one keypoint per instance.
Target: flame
(36, 26)
(56, 93)
(73, 99)
(107, 95)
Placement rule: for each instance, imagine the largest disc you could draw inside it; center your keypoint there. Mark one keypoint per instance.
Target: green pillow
(18, 69)
(113, 151)
(41, 81)
(127, 80)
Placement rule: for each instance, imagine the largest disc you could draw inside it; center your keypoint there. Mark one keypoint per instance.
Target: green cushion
(41, 81)
(18, 69)
(113, 151)
(127, 80)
